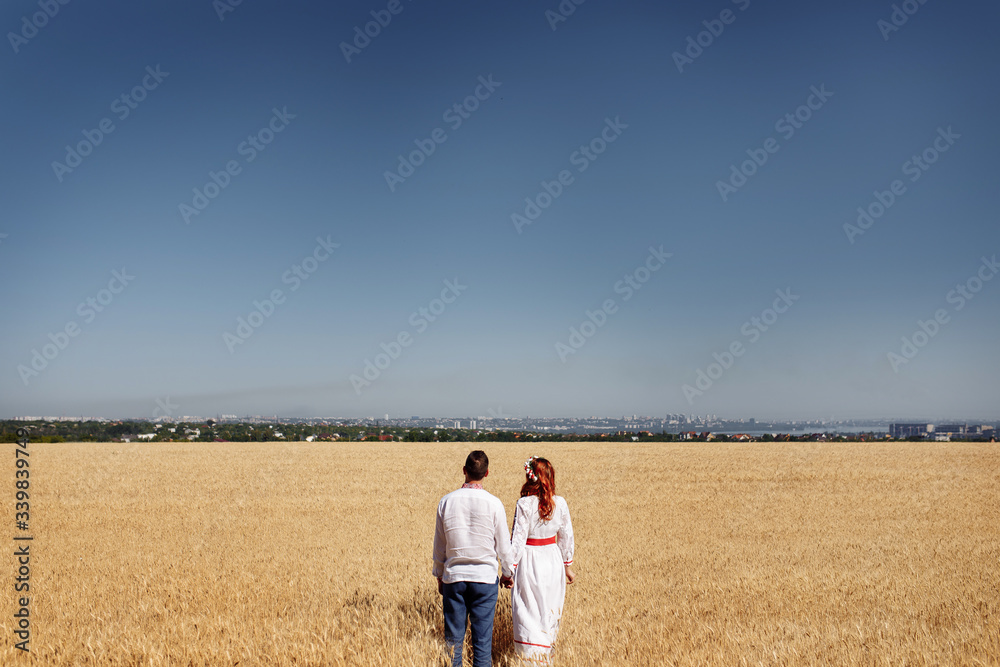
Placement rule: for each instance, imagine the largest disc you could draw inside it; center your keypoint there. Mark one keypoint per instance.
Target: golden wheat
(700, 554)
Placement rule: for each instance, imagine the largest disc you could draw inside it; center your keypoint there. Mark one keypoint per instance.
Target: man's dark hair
(477, 464)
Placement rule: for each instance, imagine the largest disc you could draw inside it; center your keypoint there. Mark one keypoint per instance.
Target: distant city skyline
(774, 210)
(451, 428)
(492, 419)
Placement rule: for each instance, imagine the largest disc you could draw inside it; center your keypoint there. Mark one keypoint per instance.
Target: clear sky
(673, 169)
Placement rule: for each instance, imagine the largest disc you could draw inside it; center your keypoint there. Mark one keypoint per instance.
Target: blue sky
(315, 195)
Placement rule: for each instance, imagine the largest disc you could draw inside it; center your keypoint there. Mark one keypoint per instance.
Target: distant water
(843, 431)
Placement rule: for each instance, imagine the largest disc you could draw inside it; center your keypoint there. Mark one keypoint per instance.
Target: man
(469, 535)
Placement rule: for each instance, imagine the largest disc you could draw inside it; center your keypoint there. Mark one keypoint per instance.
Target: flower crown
(529, 468)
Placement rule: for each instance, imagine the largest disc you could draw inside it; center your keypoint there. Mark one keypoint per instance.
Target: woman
(542, 542)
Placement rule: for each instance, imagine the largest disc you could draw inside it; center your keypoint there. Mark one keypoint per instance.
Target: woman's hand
(570, 575)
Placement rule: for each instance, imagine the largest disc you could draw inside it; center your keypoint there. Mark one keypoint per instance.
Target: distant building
(951, 429)
(900, 431)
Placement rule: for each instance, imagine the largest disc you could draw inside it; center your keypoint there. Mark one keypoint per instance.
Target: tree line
(211, 431)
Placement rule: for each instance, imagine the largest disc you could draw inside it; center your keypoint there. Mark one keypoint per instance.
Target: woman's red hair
(544, 488)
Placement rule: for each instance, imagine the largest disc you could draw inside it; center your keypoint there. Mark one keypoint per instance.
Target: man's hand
(506, 582)
(440, 586)
(570, 575)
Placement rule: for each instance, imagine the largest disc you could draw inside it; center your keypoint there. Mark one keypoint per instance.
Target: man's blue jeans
(476, 602)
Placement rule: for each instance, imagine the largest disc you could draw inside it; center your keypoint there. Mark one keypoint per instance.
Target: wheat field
(687, 554)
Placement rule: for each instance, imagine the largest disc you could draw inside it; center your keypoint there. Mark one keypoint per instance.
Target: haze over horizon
(630, 208)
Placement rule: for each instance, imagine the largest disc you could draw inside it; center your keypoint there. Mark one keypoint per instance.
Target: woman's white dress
(539, 576)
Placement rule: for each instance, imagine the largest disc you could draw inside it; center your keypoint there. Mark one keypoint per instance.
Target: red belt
(541, 541)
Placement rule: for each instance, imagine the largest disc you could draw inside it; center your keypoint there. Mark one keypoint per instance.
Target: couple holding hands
(471, 536)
